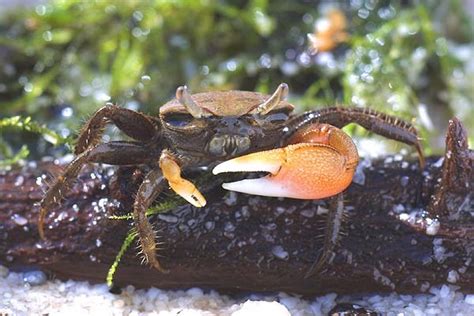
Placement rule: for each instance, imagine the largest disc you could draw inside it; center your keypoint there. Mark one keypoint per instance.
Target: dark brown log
(241, 242)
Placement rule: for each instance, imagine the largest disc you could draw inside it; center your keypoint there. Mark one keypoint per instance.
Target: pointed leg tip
(40, 225)
(156, 265)
(161, 269)
(41, 234)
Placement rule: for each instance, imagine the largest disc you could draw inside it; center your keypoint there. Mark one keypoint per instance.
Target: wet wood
(247, 243)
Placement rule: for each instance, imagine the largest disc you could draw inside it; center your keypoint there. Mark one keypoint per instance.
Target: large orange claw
(321, 166)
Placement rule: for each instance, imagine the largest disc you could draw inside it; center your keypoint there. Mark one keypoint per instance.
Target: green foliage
(25, 124)
(84, 53)
(402, 64)
(132, 234)
(162, 207)
(10, 158)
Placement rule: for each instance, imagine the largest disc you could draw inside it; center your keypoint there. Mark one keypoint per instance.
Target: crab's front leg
(318, 162)
(169, 170)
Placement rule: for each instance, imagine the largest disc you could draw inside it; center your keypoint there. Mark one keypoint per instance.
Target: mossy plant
(162, 207)
(83, 54)
(19, 123)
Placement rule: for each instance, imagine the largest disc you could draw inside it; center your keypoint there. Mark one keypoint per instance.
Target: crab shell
(225, 103)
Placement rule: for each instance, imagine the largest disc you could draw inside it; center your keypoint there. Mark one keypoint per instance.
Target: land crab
(306, 156)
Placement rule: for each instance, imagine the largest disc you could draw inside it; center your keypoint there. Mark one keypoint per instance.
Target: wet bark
(405, 230)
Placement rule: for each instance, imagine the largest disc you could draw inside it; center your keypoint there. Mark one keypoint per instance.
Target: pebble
(469, 299)
(3, 271)
(262, 308)
(119, 303)
(34, 278)
(80, 298)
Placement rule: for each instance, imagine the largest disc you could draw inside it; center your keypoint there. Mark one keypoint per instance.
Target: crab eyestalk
(279, 95)
(184, 97)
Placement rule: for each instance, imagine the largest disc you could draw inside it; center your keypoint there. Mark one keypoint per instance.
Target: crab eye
(178, 119)
(276, 117)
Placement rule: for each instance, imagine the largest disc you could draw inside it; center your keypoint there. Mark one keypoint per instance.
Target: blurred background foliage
(61, 60)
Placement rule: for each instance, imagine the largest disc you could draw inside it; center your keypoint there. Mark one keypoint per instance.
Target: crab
(306, 156)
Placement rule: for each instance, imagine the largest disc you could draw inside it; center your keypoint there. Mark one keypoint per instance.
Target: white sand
(81, 298)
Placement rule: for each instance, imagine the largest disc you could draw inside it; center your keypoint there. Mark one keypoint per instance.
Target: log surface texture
(405, 230)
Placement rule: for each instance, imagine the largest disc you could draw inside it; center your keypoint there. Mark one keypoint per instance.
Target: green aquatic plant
(18, 123)
(83, 54)
(162, 207)
(396, 66)
(132, 234)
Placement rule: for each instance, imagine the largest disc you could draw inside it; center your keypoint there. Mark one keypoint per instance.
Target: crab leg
(331, 236)
(319, 162)
(114, 153)
(150, 188)
(377, 122)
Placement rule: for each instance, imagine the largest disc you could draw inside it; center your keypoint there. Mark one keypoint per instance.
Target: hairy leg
(331, 235)
(150, 188)
(132, 123)
(377, 122)
(116, 153)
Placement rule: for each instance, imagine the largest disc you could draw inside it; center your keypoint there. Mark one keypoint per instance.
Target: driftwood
(405, 230)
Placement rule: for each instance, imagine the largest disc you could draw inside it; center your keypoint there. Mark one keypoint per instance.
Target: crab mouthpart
(301, 171)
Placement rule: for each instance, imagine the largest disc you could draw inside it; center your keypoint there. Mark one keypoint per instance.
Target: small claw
(189, 192)
(302, 171)
(186, 189)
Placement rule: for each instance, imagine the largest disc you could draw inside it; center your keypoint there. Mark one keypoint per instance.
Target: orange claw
(319, 162)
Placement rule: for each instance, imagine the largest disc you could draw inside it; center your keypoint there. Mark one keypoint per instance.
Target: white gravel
(81, 298)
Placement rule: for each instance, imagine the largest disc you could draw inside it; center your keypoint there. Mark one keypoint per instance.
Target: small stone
(453, 276)
(34, 278)
(432, 227)
(308, 213)
(4, 272)
(168, 218)
(280, 253)
(262, 308)
(469, 299)
(19, 220)
(195, 292)
(119, 303)
(444, 292)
